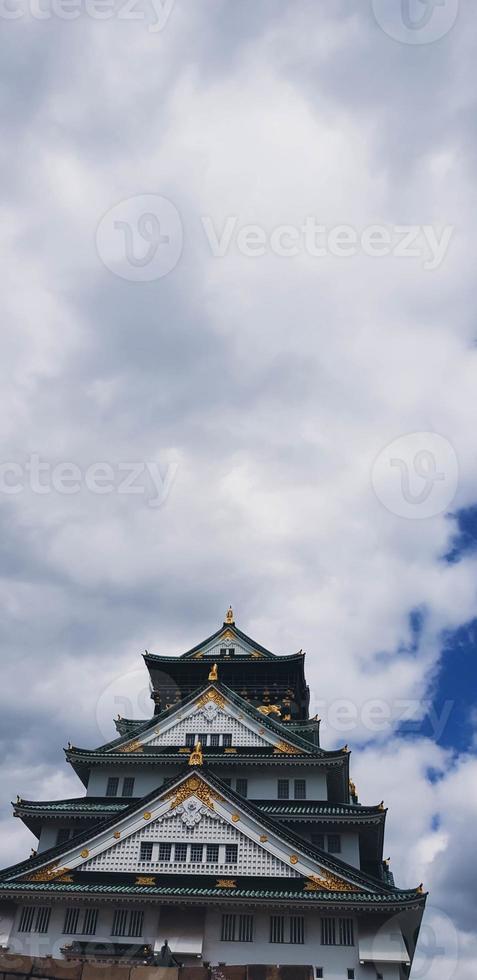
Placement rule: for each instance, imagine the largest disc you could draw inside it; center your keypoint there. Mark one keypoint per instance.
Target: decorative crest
(328, 882)
(194, 786)
(213, 673)
(229, 616)
(284, 748)
(211, 696)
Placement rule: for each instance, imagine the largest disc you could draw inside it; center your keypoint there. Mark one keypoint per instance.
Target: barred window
(165, 851)
(180, 852)
(242, 786)
(128, 786)
(318, 840)
(127, 923)
(334, 843)
(346, 932)
(227, 741)
(213, 853)
(297, 929)
(245, 929)
(228, 928)
(146, 851)
(350, 974)
(337, 932)
(26, 919)
(112, 786)
(300, 789)
(190, 741)
(63, 834)
(90, 921)
(283, 789)
(231, 853)
(42, 919)
(277, 928)
(215, 741)
(196, 852)
(227, 782)
(237, 928)
(70, 925)
(319, 972)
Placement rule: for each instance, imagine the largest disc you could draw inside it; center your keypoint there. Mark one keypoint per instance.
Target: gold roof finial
(229, 616)
(214, 673)
(196, 758)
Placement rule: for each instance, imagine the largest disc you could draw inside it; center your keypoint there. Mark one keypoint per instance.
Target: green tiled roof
(379, 900)
(317, 809)
(83, 804)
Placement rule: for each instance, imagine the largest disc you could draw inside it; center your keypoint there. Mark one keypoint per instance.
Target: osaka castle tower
(218, 834)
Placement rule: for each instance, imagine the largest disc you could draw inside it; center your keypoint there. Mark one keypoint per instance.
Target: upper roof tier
(245, 666)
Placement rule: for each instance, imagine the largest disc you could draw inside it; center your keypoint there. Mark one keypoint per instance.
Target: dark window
(350, 974)
(128, 786)
(190, 741)
(245, 929)
(223, 651)
(26, 919)
(227, 741)
(63, 834)
(70, 926)
(146, 851)
(346, 932)
(203, 739)
(232, 651)
(277, 928)
(228, 782)
(165, 852)
(318, 840)
(215, 741)
(90, 920)
(319, 972)
(227, 934)
(334, 843)
(242, 786)
(42, 919)
(196, 852)
(213, 853)
(231, 853)
(283, 789)
(297, 929)
(180, 852)
(300, 789)
(127, 923)
(112, 787)
(328, 932)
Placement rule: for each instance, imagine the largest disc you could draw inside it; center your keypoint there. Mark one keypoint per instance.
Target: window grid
(228, 928)
(297, 929)
(213, 853)
(120, 920)
(128, 786)
(90, 921)
(346, 932)
(283, 789)
(227, 740)
(328, 932)
(42, 920)
(70, 926)
(196, 852)
(165, 851)
(337, 932)
(135, 923)
(63, 835)
(277, 928)
(112, 786)
(231, 853)
(300, 789)
(180, 852)
(145, 853)
(334, 843)
(242, 787)
(318, 840)
(245, 928)
(26, 919)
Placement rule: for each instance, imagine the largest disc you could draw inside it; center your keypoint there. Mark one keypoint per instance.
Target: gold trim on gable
(136, 746)
(328, 882)
(193, 787)
(211, 696)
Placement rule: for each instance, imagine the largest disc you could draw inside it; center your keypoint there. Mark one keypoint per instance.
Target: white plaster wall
(262, 780)
(33, 944)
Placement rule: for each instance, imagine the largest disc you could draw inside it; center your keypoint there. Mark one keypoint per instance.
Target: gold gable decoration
(50, 873)
(211, 696)
(284, 748)
(229, 616)
(135, 746)
(214, 673)
(328, 882)
(194, 786)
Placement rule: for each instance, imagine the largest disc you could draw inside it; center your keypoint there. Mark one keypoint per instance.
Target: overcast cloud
(245, 395)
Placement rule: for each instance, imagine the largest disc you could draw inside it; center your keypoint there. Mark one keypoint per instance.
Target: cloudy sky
(239, 365)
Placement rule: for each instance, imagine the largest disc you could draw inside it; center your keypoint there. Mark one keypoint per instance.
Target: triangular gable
(214, 711)
(233, 641)
(196, 803)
